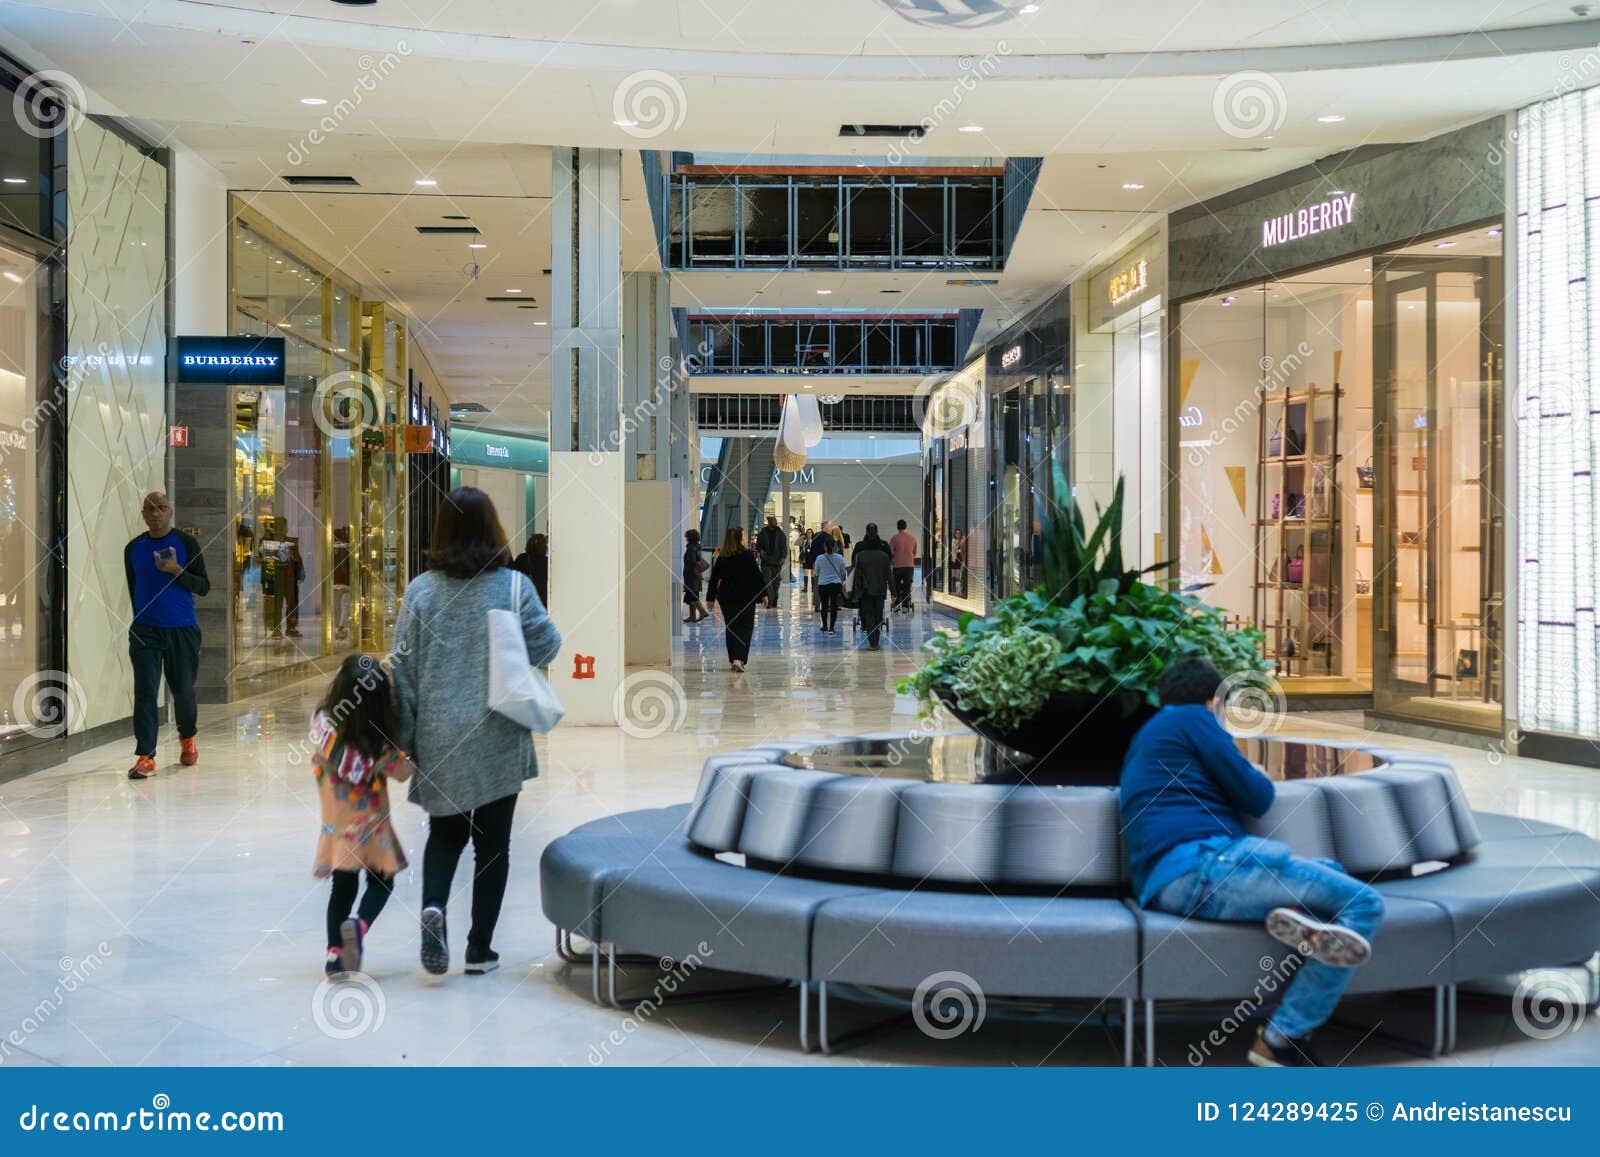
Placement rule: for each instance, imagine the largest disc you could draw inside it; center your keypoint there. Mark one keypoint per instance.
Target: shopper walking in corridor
(736, 586)
(772, 549)
(165, 572)
(534, 562)
(830, 585)
(872, 575)
(471, 761)
(694, 569)
(903, 557)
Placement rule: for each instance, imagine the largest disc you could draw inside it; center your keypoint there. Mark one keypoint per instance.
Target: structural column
(588, 446)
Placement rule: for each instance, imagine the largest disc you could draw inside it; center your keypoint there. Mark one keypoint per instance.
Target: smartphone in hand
(170, 554)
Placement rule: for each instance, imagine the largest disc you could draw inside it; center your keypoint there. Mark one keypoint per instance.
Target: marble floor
(175, 921)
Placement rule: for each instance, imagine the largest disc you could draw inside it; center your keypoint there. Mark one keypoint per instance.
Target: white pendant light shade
(810, 417)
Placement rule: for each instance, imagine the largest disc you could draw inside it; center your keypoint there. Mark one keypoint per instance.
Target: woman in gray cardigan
(470, 761)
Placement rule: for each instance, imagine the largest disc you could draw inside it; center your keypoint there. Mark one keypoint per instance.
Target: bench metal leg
(1443, 1027)
(805, 1016)
(1149, 1033)
(1450, 1028)
(1127, 1031)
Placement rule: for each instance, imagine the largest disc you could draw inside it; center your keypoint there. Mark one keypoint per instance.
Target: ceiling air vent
(470, 229)
(298, 180)
(914, 132)
(468, 408)
(520, 299)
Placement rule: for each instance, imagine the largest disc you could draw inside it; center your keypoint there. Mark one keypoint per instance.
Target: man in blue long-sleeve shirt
(1185, 787)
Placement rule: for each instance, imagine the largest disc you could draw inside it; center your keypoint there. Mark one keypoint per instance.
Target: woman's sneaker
(479, 962)
(334, 964)
(1328, 943)
(1297, 1054)
(353, 937)
(435, 949)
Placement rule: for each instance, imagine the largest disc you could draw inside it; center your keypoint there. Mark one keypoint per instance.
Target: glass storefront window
(22, 622)
(1337, 458)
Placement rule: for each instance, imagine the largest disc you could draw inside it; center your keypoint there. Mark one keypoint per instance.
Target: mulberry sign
(1318, 218)
(234, 361)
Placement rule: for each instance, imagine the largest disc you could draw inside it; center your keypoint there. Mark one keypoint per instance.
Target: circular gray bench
(785, 866)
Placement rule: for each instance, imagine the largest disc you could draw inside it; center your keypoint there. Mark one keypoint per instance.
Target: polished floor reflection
(175, 921)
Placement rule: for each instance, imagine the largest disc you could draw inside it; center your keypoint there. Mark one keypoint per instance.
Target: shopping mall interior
(868, 422)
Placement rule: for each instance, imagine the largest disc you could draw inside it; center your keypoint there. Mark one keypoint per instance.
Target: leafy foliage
(1091, 626)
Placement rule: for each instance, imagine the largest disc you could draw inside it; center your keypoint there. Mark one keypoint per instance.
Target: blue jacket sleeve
(1245, 785)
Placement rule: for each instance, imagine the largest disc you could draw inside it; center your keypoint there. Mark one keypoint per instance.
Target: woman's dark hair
(829, 546)
(538, 544)
(358, 705)
(692, 535)
(1188, 681)
(732, 541)
(467, 538)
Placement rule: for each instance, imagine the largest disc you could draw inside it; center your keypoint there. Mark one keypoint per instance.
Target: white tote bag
(517, 689)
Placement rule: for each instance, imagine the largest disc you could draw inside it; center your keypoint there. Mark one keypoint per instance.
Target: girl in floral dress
(355, 760)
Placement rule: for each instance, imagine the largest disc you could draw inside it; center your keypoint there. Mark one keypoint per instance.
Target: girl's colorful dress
(354, 790)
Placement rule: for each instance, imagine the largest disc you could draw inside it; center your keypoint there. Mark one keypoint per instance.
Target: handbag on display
(1297, 566)
(517, 689)
(1297, 506)
(1364, 475)
(1288, 647)
(1363, 584)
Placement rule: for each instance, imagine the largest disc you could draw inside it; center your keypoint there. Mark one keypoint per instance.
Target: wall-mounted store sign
(1190, 417)
(805, 476)
(470, 447)
(1011, 356)
(234, 361)
(1319, 218)
(1128, 283)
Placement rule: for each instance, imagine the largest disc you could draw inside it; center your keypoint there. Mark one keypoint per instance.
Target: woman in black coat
(736, 584)
(535, 563)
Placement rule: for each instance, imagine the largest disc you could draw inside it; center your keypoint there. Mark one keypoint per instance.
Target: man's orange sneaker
(143, 768)
(188, 753)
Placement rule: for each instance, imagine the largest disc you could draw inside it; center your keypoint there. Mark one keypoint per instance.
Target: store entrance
(1439, 602)
(1021, 484)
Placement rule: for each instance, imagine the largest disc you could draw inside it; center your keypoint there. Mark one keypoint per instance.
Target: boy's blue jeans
(1244, 879)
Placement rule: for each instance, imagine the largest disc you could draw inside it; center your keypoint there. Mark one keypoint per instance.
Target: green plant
(1091, 626)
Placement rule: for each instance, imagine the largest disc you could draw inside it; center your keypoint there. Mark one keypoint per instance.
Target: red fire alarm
(179, 436)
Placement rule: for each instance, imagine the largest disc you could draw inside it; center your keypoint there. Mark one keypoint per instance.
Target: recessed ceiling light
(1229, 300)
(476, 245)
(970, 129)
(1028, 9)
(1336, 193)
(513, 291)
(1132, 186)
(12, 277)
(824, 292)
(624, 124)
(16, 180)
(1331, 118)
(313, 100)
(338, 349)
(1444, 244)
(541, 323)
(426, 182)
(1495, 232)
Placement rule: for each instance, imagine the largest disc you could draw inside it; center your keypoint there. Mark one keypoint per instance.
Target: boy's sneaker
(435, 949)
(188, 752)
(479, 962)
(334, 964)
(1297, 1054)
(1328, 943)
(352, 935)
(143, 768)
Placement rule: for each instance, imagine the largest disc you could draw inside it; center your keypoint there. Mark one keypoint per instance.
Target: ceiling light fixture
(824, 292)
(16, 180)
(1028, 9)
(970, 129)
(1132, 186)
(426, 182)
(1331, 118)
(313, 100)
(1444, 244)
(477, 245)
(541, 323)
(513, 291)
(13, 278)
(1495, 232)
(625, 124)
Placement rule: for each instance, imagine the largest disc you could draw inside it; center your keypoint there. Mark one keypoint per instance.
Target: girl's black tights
(342, 898)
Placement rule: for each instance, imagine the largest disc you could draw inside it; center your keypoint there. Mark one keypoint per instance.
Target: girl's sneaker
(353, 935)
(334, 964)
(1328, 943)
(481, 961)
(435, 948)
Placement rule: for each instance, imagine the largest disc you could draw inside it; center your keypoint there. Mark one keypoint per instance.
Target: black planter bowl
(1075, 738)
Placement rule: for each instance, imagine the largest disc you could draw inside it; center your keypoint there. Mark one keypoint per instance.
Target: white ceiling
(471, 93)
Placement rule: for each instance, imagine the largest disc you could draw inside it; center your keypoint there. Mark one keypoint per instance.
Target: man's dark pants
(902, 585)
(174, 651)
(872, 617)
(771, 573)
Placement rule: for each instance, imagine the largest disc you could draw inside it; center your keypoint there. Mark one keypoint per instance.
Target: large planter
(1075, 738)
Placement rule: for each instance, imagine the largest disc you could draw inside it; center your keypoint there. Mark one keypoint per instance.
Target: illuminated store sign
(1128, 283)
(1330, 214)
(1190, 417)
(1011, 357)
(490, 450)
(255, 361)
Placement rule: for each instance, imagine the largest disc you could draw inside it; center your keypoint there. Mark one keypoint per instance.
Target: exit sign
(179, 436)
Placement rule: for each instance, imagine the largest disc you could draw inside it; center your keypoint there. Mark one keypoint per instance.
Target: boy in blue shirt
(165, 572)
(1185, 788)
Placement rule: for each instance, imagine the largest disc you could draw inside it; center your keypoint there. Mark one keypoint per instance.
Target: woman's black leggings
(737, 627)
(830, 595)
(489, 829)
(342, 898)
